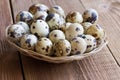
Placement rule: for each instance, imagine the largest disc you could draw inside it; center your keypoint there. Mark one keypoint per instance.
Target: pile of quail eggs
(50, 32)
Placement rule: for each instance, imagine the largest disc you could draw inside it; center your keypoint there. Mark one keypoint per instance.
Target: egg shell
(44, 46)
(39, 28)
(38, 7)
(15, 32)
(55, 21)
(65, 26)
(91, 42)
(96, 31)
(24, 25)
(62, 48)
(90, 15)
(40, 15)
(28, 41)
(74, 17)
(86, 25)
(24, 16)
(56, 35)
(74, 30)
(57, 9)
(78, 46)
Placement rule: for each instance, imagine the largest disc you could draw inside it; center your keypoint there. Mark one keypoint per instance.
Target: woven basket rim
(57, 59)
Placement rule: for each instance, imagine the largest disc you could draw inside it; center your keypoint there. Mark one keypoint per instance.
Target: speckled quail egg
(28, 41)
(65, 26)
(24, 25)
(62, 48)
(15, 32)
(55, 21)
(39, 28)
(74, 17)
(38, 7)
(78, 45)
(86, 25)
(74, 30)
(40, 15)
(57, 9)
(55, 35)
(96, 31)
(44, 46)
(91, 42)
(24, 16)
(90, 15)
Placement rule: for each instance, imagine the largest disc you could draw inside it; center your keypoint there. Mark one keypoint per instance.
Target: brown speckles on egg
(70, 35)
(97, 39)
(28, 41)
(67, 50)
(90, 15)
(88, 39)
(12, 34)
(29, 45)
(55, 7)
(73, 14)
(55, 35)
(46, 27)
(43, 48)
(22, 16)
(33, 27)
(18, 35)
(88, 46)
(77, 29)
(41, 17)
(93, 18)
(84, 13)
(75, 48)
(49, 17)
(74, 39)
(79, 35)
(54, 51)
(47, 48)
(72, 50)
(83, 37)
(45, 39)
(77, 41)
(36, 34)
(53, 19)
(78, 52)
(95, 35)
(35, 21)
(22, 33)
(94, 45)
(40, 20)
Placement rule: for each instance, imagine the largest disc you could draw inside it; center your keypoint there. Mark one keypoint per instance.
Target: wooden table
(103, 66)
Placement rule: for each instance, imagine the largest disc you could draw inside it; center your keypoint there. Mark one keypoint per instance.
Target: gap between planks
(107, 44)
(19, 55)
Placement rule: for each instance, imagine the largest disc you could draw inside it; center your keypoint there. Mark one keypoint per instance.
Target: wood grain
(109, 17)
(9, 61)
(101, 66)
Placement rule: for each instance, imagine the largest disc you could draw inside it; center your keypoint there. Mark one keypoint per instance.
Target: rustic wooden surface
(103, 66)
(10, 67)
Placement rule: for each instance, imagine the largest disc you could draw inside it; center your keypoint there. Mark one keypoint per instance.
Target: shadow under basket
(61, 59)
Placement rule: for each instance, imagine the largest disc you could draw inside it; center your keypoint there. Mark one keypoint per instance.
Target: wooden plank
(101, 66)
(9, 60)
(91, 68)
(78, 6)
(109, 18)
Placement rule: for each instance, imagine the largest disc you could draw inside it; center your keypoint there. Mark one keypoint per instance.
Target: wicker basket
(57, 59)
